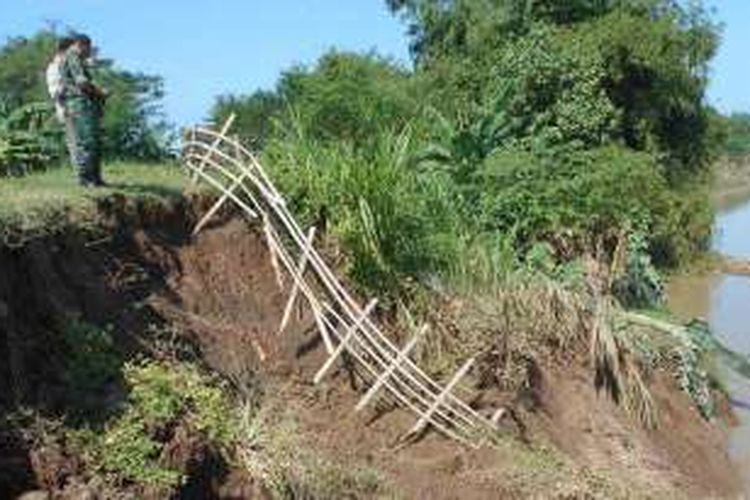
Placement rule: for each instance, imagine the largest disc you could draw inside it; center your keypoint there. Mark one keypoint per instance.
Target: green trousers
(83, 135)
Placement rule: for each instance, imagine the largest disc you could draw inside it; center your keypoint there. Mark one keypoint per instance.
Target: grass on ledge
(42, 202)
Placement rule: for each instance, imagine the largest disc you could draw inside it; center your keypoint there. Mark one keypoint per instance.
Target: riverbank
(718, 291)
(97, 326)
(731, 181)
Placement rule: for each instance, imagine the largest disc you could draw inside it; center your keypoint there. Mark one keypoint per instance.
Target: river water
(724, 301)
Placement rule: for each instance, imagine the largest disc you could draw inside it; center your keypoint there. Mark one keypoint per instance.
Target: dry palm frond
(637, 397)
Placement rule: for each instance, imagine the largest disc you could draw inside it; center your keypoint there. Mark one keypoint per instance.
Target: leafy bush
(29, 139)
(393, 222)
(161, 397)
(522, 122)
(571, 196)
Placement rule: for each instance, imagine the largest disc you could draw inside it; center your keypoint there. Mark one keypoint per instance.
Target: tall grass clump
(395, 224)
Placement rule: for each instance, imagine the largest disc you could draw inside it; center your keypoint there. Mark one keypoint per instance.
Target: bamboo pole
(314, 303)
(448, 388)
(227, 175)
(468, 420)
(220, 187)
(215, 208)
(224, 129)
(389, 370)
(348, 304)
(272, 252)
(409, 390)
(445, 429)
(295, 288)
(344, 342)
(248, 172)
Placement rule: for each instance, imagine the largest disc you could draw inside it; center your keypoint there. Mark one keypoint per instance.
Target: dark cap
(64, 42)
(80, 38)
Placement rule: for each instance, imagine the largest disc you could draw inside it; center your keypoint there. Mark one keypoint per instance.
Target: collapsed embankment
(139, 274)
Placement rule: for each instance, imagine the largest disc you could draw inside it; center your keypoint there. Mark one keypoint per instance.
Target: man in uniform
(54, 85)
(83, 103)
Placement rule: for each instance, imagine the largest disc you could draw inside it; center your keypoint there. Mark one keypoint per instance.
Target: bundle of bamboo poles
(344, 325)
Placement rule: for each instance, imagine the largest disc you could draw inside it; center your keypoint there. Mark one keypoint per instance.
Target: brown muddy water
(724, 301)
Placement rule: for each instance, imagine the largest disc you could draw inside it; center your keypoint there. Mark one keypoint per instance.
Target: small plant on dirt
(162, 397)
(640, 286)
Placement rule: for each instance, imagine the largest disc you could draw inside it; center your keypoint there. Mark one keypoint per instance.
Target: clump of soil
(220, 291)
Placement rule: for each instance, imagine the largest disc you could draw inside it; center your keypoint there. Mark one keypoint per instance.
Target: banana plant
(29, 139)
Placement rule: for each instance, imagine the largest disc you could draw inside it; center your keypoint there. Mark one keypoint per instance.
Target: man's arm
(82, 79)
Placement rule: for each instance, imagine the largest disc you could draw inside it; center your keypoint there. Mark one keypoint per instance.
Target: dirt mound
(221, 291)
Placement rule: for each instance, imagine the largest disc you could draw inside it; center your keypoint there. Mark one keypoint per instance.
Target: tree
(542, 81)
(254, 114)
(344, 97)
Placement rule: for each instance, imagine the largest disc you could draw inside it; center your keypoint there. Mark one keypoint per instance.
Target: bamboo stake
(217, 205)
(225, 173)
(410, 388)
(224, 129)
(248, 172)
(439, 400)
(323, 329)
(220, 187)
(344, 342)
(272, 252)
(400, 397)
(389, 371)
(295, 288)
(314, 304)
(263, 183)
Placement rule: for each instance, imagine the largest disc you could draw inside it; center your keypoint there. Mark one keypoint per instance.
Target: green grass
(43, 202)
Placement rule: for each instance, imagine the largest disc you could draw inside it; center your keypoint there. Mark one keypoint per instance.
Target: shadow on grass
(140, 190)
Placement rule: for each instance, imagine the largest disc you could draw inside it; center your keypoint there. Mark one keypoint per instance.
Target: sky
(207, 48)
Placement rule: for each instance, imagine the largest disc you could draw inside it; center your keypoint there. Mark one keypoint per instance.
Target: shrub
(161, 396)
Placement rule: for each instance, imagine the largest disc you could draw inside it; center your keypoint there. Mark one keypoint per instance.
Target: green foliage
(691, 369)
(641, 285)
(255, 114)
(393, 222)
(161, 392)
(345, 97)
(522, 122)
(737, 134)
(22, 65)
(29, 139)
(133, 127)
(161, 397)
(570, 196)
(348, 98)
(127, 450)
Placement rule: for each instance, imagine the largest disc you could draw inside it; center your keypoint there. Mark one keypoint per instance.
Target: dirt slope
(220, 291)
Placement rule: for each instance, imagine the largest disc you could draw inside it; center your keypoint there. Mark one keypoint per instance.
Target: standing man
(83, 102)
(54, 83)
